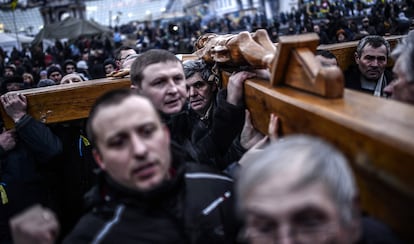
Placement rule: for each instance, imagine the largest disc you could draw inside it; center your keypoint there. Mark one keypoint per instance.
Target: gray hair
(191, 67)
(319, 162)
(405, 51)
(375, 42)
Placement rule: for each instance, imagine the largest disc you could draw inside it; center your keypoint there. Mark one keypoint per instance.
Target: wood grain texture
(61, 103)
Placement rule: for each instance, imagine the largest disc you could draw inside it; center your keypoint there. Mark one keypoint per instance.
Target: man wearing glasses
(123, 53)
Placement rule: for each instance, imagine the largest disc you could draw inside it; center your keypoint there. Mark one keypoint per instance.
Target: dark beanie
(53, 69)
(69, 61)
(109, 61)
(13, 79)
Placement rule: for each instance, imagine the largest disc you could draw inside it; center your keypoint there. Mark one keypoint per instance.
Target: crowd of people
(159, 163)
(176, 158)
(91, 56)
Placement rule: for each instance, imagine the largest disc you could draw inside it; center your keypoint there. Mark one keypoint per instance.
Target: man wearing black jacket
(369, 75)
(25, 156)
(146, 194)
(158, 75)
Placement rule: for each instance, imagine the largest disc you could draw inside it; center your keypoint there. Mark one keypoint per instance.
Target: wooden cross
(377, 135)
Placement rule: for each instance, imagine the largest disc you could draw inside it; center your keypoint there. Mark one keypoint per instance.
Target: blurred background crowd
(334, 21)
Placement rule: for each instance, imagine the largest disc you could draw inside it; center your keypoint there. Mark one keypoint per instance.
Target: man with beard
(370, 74)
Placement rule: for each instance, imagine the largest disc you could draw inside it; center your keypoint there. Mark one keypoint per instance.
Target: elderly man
(301, 190)
(370, 74)
(202, 87)
(142, 196)
(402, 88)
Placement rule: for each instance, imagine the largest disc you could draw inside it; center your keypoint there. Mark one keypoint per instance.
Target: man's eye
(178, 79)
(147, 131)
(159, 83)
(266, 227)
(310, 220)
(199, 85)
(117, 142)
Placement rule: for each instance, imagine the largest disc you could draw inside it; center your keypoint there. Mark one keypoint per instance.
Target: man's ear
(98, 159)
(356, 58)
(134, 87)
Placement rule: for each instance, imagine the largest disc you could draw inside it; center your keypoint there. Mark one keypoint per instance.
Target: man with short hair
(402, 88)
(301, 190)
(370, 74)
(202, 86)
(145, 194)
(122, 54)
(158, 74)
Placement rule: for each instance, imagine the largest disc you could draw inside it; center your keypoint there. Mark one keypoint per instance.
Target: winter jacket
(26, 169)
(196, 206)
(208, 145)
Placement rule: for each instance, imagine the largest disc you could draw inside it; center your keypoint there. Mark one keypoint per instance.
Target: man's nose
(284, 234)
(192, 91)
(172, 87)
(139, 148)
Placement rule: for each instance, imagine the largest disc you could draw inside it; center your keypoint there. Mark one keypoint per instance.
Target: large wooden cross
(377, 135)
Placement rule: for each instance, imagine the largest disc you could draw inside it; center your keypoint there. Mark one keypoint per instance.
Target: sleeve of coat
(39, 138)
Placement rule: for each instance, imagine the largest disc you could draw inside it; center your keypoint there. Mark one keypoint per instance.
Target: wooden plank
(61, 103)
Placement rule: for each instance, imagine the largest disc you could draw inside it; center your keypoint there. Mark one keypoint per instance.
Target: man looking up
(369, 75)
(142, 197)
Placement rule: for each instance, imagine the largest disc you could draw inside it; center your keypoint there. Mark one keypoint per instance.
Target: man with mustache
(370, 74)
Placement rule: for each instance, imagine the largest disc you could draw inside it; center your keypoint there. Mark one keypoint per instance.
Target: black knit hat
(13, 79)
(109, 61)
(69, 61)
(53, 69)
